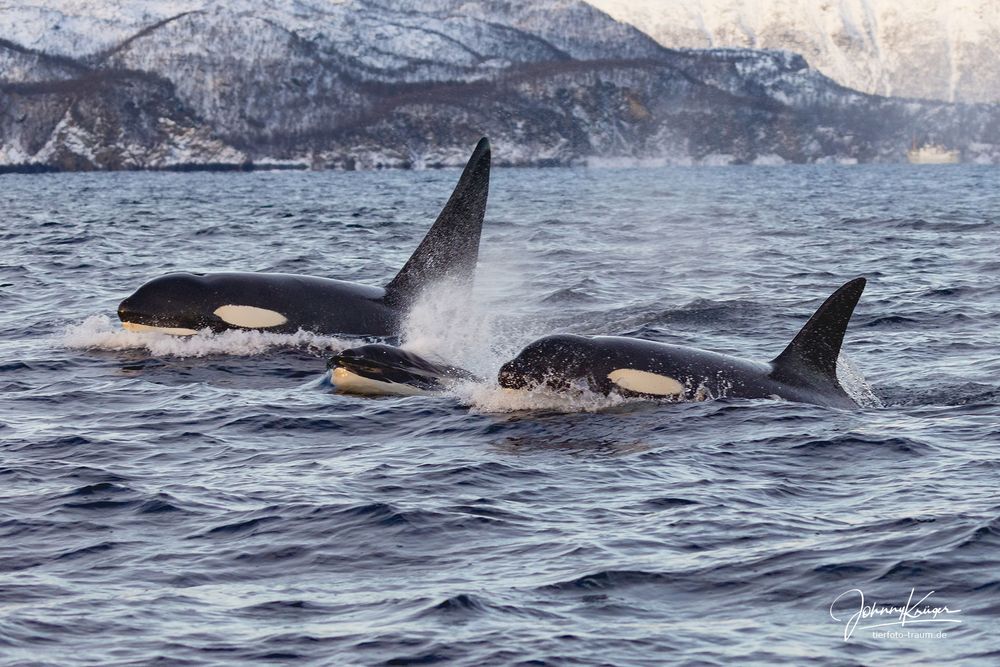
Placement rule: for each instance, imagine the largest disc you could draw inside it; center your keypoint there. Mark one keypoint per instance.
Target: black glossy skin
(448, 253)
(386, 363)
(188, 300)
(562, 361)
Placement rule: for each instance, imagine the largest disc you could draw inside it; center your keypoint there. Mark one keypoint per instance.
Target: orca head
(185, 303)
(553, 362)
(385, 363)
(175, 303)
(380, 368)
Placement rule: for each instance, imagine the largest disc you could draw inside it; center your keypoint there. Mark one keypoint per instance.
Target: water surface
(211, 501)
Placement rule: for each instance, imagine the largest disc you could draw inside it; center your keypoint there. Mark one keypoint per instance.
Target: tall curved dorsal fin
(815, 349)
(450, 249)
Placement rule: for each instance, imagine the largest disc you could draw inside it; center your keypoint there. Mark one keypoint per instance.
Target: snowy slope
(933, 49)
(80, 27)
(428, 29)
(368, 83)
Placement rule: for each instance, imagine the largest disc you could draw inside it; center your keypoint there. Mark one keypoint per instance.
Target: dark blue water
(209, 501)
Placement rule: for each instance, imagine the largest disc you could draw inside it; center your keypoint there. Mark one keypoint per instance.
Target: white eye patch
(643, 382)
(250, 317)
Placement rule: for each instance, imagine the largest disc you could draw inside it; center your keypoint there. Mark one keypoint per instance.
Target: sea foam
(99, 332)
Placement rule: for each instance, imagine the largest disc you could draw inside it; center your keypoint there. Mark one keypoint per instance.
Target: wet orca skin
(806, 371)
(188, 303)
(184, 303)
(379, 369)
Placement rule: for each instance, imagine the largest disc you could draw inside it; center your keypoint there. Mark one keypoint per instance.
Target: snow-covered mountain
(362, 83)
(379, 31)
(932, 49)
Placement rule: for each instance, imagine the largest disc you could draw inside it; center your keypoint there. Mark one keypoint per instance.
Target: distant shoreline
(211, 166)
(539, 164)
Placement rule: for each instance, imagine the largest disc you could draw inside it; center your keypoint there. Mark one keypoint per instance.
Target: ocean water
(211, 501)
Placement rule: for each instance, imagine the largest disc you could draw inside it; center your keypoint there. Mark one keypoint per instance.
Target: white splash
(473, 331)
(854, 383)
(489, 398)
(99, 332)
(446, 324)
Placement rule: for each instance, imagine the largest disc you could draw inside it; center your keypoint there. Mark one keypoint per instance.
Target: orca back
(811, 357)
(450, 249)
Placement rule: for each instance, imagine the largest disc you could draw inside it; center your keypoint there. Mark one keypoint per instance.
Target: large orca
(184, 303)
(806, 371)
(379, 369)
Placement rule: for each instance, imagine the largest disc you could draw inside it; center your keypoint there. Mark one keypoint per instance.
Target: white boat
(932, 154)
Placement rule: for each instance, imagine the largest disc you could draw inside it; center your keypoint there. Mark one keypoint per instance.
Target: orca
(806, 371)
(184, 303)
(380, 369)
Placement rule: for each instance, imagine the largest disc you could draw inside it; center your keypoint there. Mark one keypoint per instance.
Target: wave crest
(98, 332)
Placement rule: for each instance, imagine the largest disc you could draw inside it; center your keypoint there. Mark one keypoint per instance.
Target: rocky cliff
(407, 84)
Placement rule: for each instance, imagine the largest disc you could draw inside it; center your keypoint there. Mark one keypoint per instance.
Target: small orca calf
(805, 372)
(379, 369)
(184, 303)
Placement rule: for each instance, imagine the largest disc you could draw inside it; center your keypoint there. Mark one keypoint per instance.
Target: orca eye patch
(643, 382)
(249, 317)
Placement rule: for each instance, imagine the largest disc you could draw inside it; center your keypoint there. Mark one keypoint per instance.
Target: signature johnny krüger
(912, 612)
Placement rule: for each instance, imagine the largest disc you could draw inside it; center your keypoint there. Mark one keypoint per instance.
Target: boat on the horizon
(933, 154)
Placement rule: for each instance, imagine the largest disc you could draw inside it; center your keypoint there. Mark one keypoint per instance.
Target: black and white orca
(184, 303)
(378, 370)
(806, 371)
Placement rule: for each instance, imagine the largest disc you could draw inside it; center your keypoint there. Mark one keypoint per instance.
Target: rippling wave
(211, 500)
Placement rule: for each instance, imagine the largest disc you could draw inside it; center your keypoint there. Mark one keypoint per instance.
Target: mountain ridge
(908, 48)
(358, 85)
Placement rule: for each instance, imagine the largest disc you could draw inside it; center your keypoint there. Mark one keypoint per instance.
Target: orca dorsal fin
(450, 249)
(815, 349)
